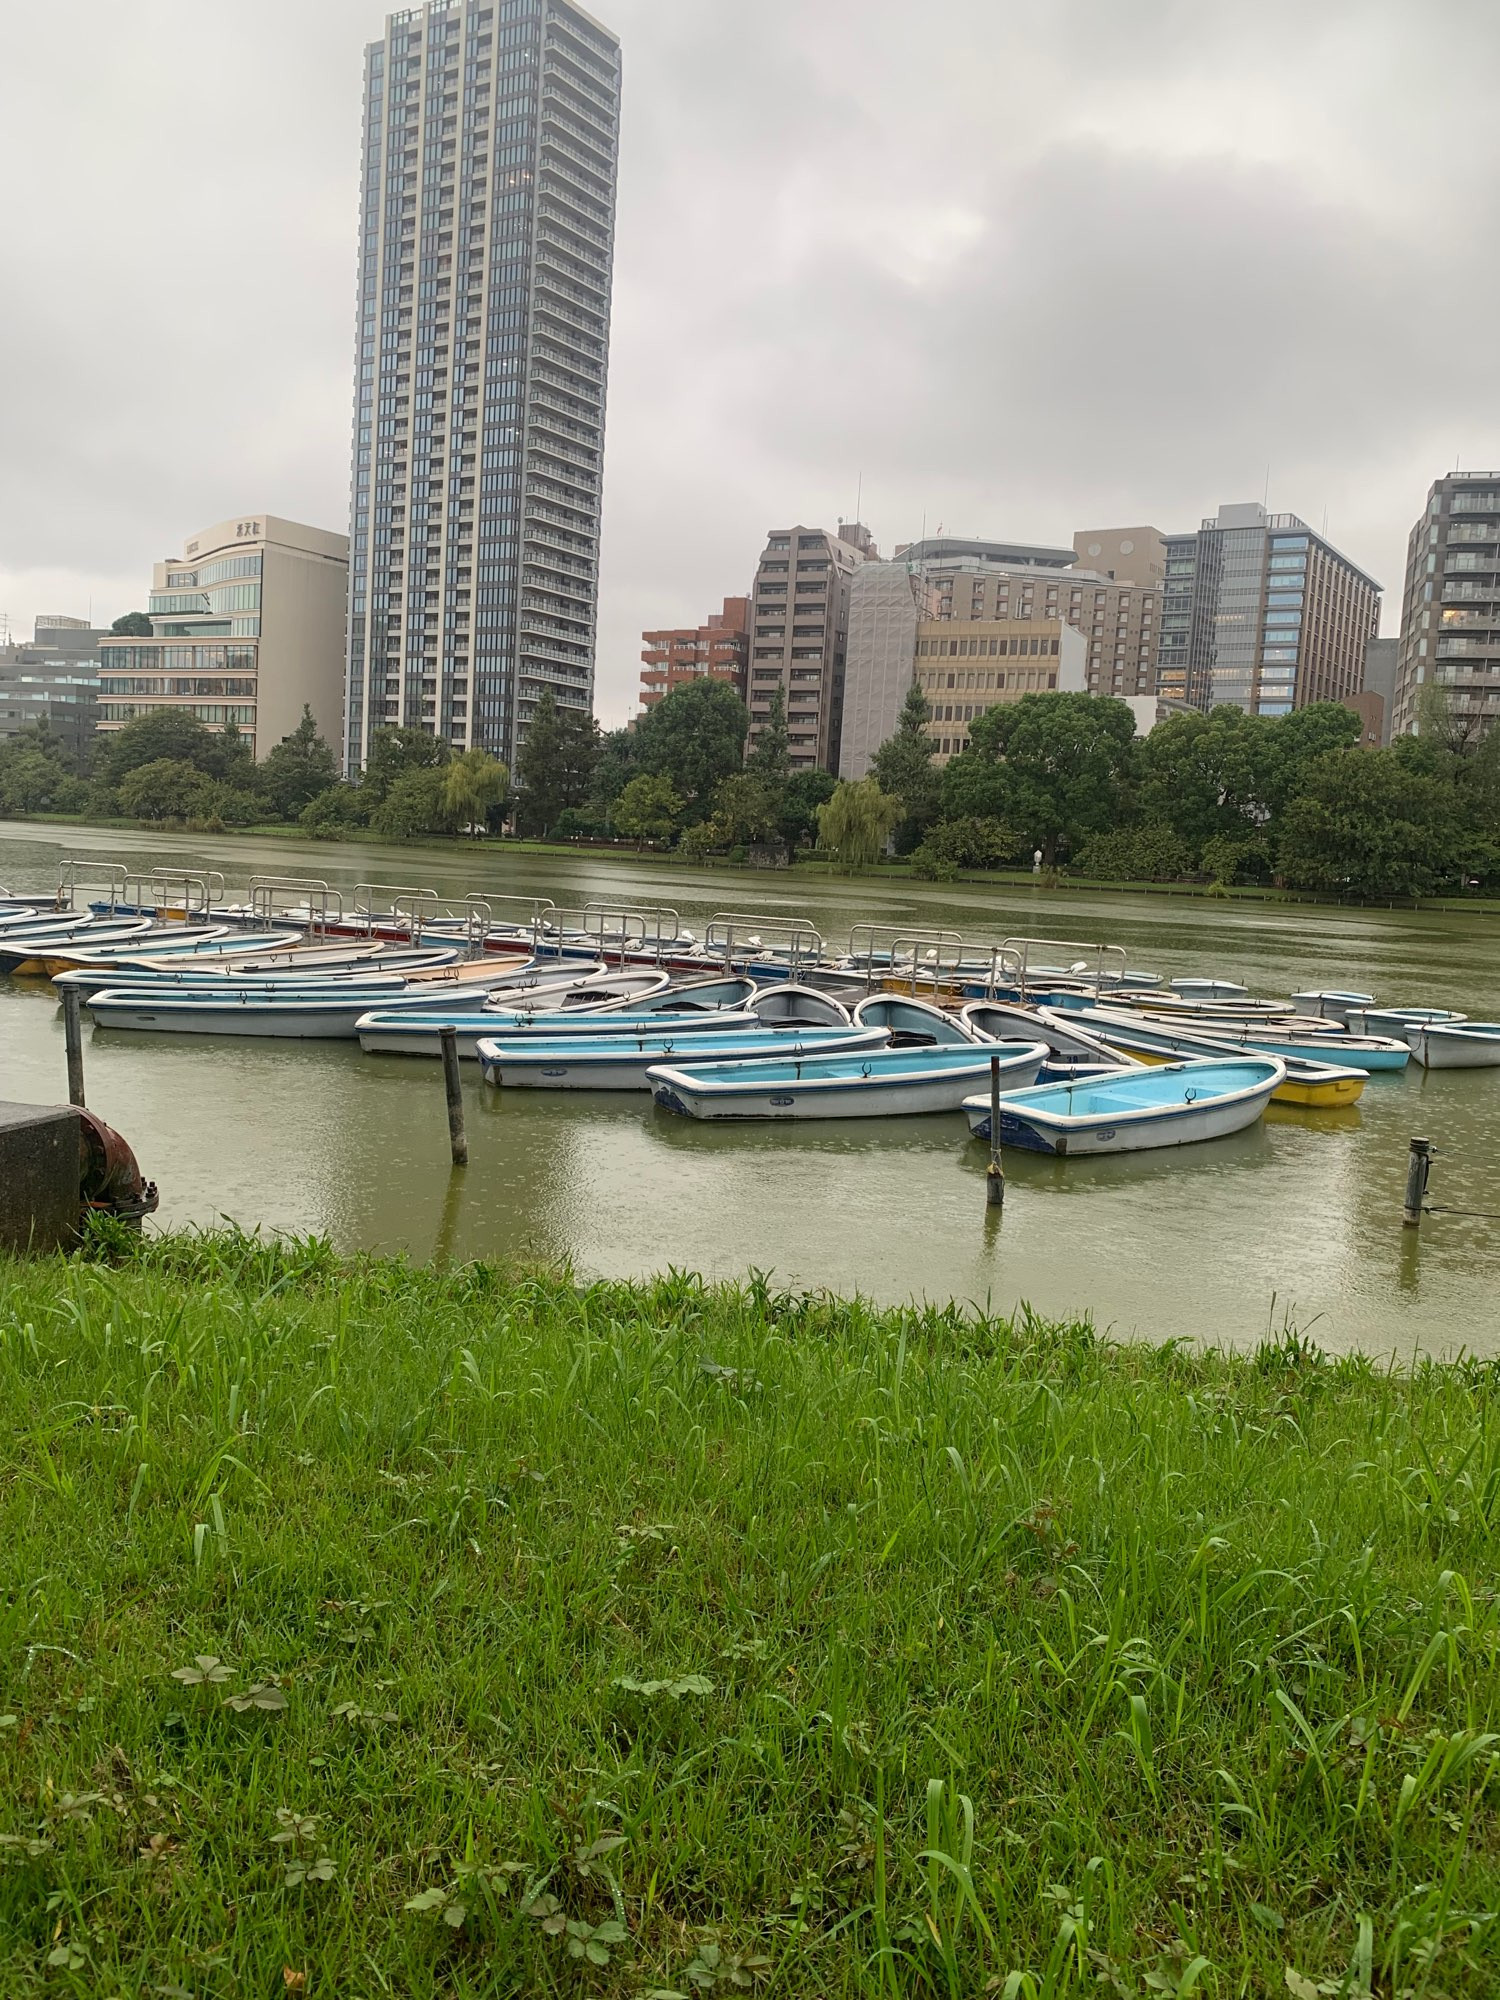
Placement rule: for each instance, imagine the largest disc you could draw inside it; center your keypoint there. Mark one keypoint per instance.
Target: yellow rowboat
(1315, 1086)
(1312, 1084)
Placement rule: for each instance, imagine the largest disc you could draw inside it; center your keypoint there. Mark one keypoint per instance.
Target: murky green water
(1297, 1220)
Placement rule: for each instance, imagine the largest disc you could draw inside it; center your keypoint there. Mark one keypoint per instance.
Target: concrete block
(39, 1177)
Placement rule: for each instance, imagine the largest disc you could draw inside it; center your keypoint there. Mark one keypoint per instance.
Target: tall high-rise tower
(488, 207)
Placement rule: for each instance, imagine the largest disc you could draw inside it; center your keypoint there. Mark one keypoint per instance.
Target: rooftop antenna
(1266, 498)
(859, 494)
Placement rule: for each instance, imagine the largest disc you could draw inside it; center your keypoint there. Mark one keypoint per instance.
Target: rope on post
(1419, 1160)
(994, 1178)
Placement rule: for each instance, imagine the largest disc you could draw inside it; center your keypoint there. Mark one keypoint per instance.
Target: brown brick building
(720, 649)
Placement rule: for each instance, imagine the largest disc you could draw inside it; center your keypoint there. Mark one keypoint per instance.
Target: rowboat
(1209, 989)
(417, 1030)
(881, 1083)
(177, 940)
(1163, 1041)
(912, 1023)
(25, 951)
(1454, 1045)
(1396, 1020)
(801, 1003)
(1327, 1003)
(676, 1010)
(1135, 1110)
(623, 1062)
(329, 1011)
(396, 972)
(992, 1021)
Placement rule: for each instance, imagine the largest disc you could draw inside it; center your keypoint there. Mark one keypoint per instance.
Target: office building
(53, 683)
(247, 628)
(1004, 582)
(965, 667)
(1450, 608)
(719, 649)
(486, 252)
(1262, 613)
(799, 630)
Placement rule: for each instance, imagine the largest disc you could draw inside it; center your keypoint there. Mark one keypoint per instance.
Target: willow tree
(857, 822)
(475, 784)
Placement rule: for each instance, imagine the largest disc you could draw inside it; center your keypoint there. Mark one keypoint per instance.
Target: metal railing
(1089, 964)
(739, 935)
(642, 930)
(188, 893)
(270, 900)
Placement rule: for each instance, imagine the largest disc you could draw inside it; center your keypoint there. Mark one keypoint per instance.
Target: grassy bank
(371, 1630)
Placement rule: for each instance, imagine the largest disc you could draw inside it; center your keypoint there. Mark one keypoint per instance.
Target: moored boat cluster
(758, 1020)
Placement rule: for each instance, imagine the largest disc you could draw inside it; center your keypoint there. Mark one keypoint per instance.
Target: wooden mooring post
(453, 1090)
(73, 1036)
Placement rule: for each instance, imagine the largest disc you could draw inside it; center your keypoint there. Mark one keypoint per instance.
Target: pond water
(1297, 1222)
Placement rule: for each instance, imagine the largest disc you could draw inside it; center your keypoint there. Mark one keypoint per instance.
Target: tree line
(1225, 797)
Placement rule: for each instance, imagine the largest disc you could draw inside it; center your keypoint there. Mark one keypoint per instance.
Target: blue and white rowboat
(883, 1083)
(622, 1062)
(1135, 1110)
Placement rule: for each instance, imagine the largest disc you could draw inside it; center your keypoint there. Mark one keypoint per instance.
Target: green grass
(619, 1639)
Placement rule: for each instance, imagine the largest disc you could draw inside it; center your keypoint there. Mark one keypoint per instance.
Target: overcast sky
(1014, 266)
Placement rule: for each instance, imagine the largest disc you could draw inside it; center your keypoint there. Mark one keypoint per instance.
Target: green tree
(555, 763)
(904, 770)
(341, 810)
(1204, 776)
(971, 843)
(1054, 766)
(414, 804)
(856, 823)
(475, 786)
(1148, 852)
(1366, 826)
(748, 808)
(614, 768)
(33, 780)
(768, 756)
(162, 735)
(132, 625)
(1296, 744)
(167, 788)
(647, 809)
(297, 769)
(695, 738)
(396, 752)
(802, 795)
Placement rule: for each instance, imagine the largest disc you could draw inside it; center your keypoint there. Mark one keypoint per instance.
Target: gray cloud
(1021, 267)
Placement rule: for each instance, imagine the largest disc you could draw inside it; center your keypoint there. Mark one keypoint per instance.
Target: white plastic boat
(998, 1021)
(1209, 989)
(1326, 1003)
(623, 1062)
(797, 1003)
(1133, 1111)
(881, 1083)
(329, 1011)
(1455, 1044)
(912, 1023)
(417, 1030)
(1396, 1020)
